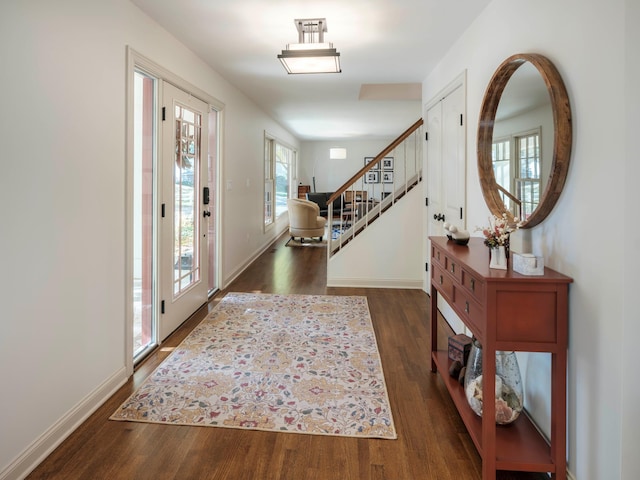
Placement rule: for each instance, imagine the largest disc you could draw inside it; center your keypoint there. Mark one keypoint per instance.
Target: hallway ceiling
(383, 44)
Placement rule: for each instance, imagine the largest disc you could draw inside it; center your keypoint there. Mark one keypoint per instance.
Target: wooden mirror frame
(561, 140)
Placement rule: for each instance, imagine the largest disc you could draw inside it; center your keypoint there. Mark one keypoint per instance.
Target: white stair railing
(376, 187)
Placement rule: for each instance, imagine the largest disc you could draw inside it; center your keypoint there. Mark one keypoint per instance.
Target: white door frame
(137, 60)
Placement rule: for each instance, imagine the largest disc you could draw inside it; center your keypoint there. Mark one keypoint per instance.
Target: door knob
(206, 213)
(438, 217)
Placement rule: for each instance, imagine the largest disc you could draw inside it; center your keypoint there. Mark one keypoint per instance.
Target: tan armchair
(304, 219)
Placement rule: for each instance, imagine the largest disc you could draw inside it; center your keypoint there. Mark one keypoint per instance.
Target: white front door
(183, 245)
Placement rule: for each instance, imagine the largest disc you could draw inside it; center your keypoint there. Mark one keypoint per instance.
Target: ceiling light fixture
(311, 54)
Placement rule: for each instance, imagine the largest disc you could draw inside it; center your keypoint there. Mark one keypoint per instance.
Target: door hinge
(426, 202)
(162, 307)
(162, 213)
(426, 267)
(460, 119)
(426, 136)
(460, 213)
(164, 113)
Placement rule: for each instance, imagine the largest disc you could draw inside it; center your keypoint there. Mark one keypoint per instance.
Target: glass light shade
(308, 58)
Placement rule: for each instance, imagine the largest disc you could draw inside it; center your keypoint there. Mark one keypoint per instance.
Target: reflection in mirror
(521, 152)
(524, 139)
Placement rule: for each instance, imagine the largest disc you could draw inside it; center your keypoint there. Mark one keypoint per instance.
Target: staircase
(375, 188)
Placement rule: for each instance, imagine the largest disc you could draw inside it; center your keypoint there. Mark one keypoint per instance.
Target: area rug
(336, 231)
(308, 242)
(284, 363)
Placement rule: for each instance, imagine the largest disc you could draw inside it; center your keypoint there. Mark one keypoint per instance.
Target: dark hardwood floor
(432, 441)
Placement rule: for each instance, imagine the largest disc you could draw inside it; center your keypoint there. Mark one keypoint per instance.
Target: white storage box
(528, 264)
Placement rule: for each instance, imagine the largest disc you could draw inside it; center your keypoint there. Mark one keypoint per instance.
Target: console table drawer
(443, 282)
(470, 311)
(439, 257)
(527, 317)
(473, 285)
(453, 267)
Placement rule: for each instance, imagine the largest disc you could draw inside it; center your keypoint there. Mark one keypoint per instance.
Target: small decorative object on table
(528, 264)
(461, 237)
(508, 389)
(459, 348)
(496, 237)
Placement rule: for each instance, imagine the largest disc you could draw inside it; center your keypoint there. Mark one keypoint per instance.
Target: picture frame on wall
(387, 163)
(372, 176)
(368, 160)
(387, 177)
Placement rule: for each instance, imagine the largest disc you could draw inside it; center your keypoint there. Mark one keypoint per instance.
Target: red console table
(505, 311)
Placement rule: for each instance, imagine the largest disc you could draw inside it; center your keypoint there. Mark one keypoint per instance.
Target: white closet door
(434, 169)
(454, 159)
(446, 161)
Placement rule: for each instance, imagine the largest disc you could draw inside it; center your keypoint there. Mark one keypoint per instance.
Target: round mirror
(524, 139)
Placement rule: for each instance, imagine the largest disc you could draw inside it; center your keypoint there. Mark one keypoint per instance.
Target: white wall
(374, 259)
(331, 174)
(62, 191)
(586, 42)
(630, 239)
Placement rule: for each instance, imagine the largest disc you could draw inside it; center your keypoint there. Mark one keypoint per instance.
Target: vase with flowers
(496, 237)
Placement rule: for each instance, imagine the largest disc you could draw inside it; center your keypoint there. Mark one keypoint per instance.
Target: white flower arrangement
(498, 232)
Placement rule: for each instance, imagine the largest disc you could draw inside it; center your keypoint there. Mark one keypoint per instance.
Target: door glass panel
(186, 222)
(143, 206)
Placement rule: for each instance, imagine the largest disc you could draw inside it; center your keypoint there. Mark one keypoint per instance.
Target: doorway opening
(172, 193)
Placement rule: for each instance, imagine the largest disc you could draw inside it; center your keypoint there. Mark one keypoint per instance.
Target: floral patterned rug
(283, 363)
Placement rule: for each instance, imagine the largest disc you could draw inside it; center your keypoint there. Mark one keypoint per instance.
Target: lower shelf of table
(519, 446)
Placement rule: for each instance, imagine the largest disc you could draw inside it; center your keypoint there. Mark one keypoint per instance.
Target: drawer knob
(466, 307)
(440, 279)
(453, 268)
(473, 284)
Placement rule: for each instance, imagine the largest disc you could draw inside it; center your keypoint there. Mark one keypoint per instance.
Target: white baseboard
(236, 273)
(31, 457)
(375, 283)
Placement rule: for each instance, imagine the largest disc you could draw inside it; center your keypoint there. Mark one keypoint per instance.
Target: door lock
(206, 213)
(438, 217)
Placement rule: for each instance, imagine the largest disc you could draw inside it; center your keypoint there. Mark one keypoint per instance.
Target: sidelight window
(279, 172)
